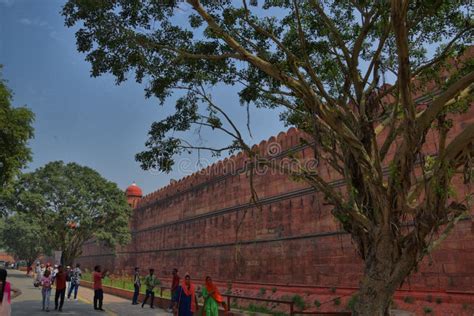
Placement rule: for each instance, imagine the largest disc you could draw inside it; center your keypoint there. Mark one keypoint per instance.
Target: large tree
(22, 237)
(72, 204)
(15, 131)
(347, 72)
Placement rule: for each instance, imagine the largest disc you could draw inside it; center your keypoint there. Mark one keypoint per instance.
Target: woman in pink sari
(6, 294)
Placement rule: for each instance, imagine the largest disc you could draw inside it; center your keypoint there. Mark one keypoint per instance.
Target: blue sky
(87, 120)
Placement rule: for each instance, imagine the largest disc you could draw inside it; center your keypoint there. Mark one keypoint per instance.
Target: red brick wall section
(203, 225)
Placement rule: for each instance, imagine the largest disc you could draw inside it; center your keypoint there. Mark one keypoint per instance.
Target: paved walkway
(29, 302)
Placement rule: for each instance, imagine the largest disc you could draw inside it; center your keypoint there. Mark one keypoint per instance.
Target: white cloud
(35, 22)
(7, 3)
(39, 24)
(54, 35)
(24, 21)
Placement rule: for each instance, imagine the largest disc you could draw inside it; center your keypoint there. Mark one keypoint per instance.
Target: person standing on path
(46, 282)
(38, 272)
(186, 300)
(75, 281)
(60, 281)
(6, 294)
(212, 298)
(150, 282)
(98, 291)
(136, 286)
(174, 287)
(68, 279)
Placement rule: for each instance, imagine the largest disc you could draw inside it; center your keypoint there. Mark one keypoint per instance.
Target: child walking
(46, 282)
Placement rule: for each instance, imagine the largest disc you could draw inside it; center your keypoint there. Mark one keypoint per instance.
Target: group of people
(68, 280)
(184, 300)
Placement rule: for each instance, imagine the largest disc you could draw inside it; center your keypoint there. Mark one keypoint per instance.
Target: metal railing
(291, 304)
(258, 299)
(324, 313)
(250, 298)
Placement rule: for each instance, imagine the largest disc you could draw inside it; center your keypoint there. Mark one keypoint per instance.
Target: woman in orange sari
(212, 298)
(186, 300)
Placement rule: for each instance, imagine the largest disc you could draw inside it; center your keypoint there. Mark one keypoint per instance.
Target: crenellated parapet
(274, 147)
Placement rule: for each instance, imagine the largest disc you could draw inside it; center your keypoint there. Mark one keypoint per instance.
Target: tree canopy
(72, 204)
(348, 73)
(15, 131)
(23, 237)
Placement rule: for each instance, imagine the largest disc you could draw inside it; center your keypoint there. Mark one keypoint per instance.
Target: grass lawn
(126, 284)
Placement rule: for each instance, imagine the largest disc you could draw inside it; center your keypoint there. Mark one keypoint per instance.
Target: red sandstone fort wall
(204, 225)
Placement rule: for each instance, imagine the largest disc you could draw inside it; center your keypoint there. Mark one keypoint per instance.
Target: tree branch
(462, 87)
(399, 9)
(442, 55)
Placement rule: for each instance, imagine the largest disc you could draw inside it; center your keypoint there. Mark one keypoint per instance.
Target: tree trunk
(66, 259)
(385, 271)
(374, 297)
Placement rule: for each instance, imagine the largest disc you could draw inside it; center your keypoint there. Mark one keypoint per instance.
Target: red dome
(134, 190)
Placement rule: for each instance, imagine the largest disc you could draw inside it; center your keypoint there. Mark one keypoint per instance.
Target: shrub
(439, 300)
(337, 301)
(299, 302)
(317, 303)
(427, 310)
(262, 291)
(332, 289)
(352, 302)
(274, 290)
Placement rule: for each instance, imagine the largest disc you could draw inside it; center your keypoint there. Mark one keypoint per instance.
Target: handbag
(36, 283)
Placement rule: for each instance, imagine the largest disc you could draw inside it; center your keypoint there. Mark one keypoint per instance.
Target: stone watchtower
(134, 194)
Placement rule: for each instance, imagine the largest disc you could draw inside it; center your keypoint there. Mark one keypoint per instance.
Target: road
(29, 302)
